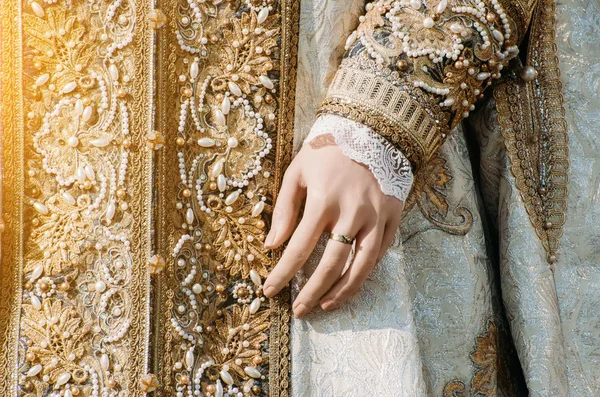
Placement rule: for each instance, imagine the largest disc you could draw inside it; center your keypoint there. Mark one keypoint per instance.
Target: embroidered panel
(532, 119)
(225, 106)
(77, 97)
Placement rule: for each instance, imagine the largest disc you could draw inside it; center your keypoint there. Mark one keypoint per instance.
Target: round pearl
(428, 22)
(100, 286)
(73, 141)
(528, 73)
(232, 142)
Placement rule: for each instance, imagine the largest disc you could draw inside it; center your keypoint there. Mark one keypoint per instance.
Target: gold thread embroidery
(531, 116)
(231, 67)
(79, 191)
(439, 57)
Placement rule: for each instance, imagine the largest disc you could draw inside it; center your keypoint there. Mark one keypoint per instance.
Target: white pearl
(219, 392)
(206, 142)
(264, 80)
(234, 88)
(43, 79)
(528, 73)
(114, 72)
(428, 22)
(189, 216)
(100, 286)
(35, 302)
(37, 272)
(482, 76)
(89, 172)
(73, 141)
(220, 118)
(226, 377)
(69, 87)
(194, 70)
(232, 198)
(104, 362)
(62, 379)
(100, 142)
(416, 4)
(80, 174)
(217, 169)
(110, 212)
(232, 142)
(189, 359)
(226, 105)
(41, 208)
(221, 182)
(69, 199)
(258, 208)
(255, 277)
(87, 113)
(351, 39)
(441, 7)
(33, 371)
(252, 372)
(37, 9)
(197, 289)
(262, 15)
(255, 305)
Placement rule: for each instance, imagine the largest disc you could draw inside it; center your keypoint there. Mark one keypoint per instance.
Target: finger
(296, 253)
(388, 238)
(364, 261)
(286, 209)
(326, 274)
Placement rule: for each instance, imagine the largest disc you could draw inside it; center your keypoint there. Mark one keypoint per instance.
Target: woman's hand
(342, 197)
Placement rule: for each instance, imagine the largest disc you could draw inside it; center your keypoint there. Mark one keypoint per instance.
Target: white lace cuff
(357, 141)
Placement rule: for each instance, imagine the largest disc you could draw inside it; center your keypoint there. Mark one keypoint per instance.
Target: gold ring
(341, 238)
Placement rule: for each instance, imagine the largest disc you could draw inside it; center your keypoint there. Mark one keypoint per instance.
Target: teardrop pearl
(114, 72)
(35, 302)
(252, 372)
(232, 198)
(217, 169)
(69, 87)
(69, 199)
(189, 216)
(441, 7)
(100, 142)
(62, 379)
(234, 88)
(264, 80)
(255, 305)
(80, 174)
(79, 107)
(262, 15)
(226, 105)
(87, 113)
(36, 273)
(221, 183)
(194, 70)
(220, 118)
(226, 377)
(189, 359)
(219, 392)
(110, 212)
(43, 79)
(89, 172)
(37, 9)
(258, 208)
(41, 208)
(33, 371)
(255, 277)
(206, 142)
(104, 362)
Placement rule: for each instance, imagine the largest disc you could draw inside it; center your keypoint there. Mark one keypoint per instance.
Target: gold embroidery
(76, 100)
(231, 68)
(531, 116)
(429, 194)
(430, 62)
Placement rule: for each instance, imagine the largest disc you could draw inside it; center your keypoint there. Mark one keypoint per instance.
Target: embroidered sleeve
(357, 141)
(414, 68)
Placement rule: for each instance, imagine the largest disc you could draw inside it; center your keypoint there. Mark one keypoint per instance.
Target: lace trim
(359, 142)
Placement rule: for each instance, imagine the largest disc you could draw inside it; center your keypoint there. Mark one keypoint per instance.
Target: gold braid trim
(385, 108)
(532, 120)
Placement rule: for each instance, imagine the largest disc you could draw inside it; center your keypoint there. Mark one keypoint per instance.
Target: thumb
(286, 209)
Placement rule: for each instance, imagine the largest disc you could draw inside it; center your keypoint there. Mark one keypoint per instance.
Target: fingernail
(269, 291)
(270, 238)
(329, 305)
(300, 310)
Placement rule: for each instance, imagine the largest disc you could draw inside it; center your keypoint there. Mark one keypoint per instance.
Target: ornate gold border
(524, 110)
